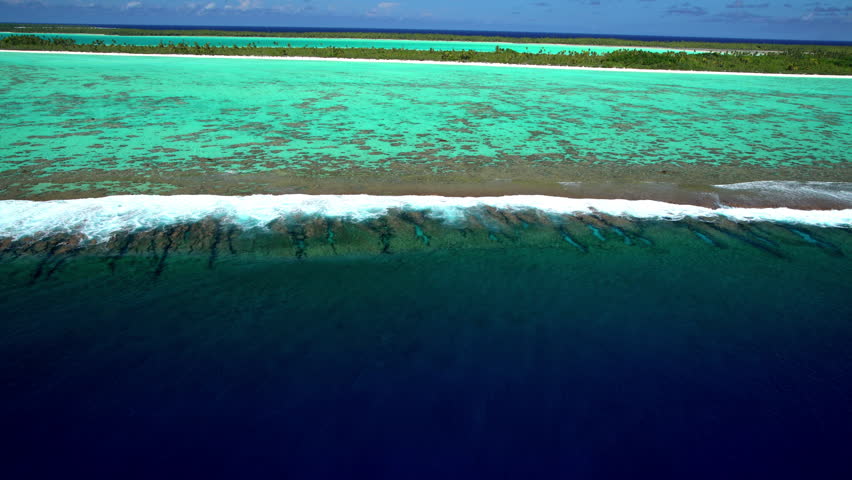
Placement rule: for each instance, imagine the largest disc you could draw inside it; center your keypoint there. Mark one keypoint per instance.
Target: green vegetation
(767, 46)
(835, 61)
(25, 41)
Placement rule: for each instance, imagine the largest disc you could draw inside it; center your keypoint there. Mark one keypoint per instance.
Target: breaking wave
(791, 190)
(99, 218)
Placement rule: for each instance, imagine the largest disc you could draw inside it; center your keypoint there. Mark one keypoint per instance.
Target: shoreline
(628, 47)
(433, 62)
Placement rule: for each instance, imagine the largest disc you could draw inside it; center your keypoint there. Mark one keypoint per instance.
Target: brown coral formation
(400, 232)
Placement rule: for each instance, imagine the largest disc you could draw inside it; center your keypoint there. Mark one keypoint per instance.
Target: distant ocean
(489, 33)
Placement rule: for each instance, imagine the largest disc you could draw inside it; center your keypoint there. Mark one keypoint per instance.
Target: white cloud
(199, 8)
(382, 8)
(132, 5)
(243, 5)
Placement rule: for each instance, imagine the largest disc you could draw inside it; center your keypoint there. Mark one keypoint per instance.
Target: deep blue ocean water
(679, 361)
(494, 33)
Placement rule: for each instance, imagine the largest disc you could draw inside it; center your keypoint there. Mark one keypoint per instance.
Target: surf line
(100, 217)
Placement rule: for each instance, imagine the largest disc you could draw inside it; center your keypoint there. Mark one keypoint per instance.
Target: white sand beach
(431, 62)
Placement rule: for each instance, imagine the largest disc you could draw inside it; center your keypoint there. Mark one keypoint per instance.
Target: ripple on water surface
(371, 351)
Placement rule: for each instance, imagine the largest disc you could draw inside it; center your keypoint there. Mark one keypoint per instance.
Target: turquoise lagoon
(341, 43)
(78, 124)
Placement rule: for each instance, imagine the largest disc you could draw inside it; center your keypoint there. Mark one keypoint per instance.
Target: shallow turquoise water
(341, 43)
(155, 115)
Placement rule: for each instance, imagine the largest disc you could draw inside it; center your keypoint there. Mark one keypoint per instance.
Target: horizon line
(467, 32)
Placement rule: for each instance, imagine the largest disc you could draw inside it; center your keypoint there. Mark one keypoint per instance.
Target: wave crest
(99, 218)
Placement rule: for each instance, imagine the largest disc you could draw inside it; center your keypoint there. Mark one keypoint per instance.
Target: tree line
(763, 46)
(786, 61)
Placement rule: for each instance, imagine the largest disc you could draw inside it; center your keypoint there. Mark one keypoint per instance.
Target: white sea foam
(99, 218)
(841, 191)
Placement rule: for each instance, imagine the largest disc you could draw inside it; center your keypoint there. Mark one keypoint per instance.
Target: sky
(761, 19)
